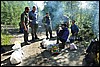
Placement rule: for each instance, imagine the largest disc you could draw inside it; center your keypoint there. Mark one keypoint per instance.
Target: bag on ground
(73, 46)
(17, 55)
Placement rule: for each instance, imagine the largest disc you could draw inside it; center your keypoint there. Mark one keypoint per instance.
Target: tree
(11, 11)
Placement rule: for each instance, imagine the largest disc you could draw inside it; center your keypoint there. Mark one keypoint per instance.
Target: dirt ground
(35, 56)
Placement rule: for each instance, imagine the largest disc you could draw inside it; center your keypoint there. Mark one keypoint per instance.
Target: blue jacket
(33, 17)
(64, 34)
(74, 28)
(47, 20)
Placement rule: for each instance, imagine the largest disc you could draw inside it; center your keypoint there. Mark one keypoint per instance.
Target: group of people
(30, 18)
(63, 32)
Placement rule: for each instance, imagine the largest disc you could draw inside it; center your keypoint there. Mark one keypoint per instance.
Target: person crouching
(62, 35)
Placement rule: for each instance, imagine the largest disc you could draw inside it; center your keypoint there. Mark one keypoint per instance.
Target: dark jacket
(24, 18)
(46, 20)
(63, 34)
(74, 29)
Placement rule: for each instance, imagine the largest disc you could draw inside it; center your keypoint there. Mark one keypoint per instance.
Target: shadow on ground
(6, 48)
(6, 62)
(42, 59)
(46, 58)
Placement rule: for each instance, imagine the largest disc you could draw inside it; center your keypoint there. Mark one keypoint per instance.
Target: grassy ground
(5, 39)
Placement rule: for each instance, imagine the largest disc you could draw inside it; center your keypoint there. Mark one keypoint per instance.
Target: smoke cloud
(56, 10)
(96, 20)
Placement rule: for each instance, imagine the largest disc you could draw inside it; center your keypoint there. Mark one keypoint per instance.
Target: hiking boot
(57, 42)
(47, 38)
(32, 40)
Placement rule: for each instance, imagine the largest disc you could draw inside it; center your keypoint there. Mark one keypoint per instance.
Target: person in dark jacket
(47, 24)
(74, 28)
(62, 35)
(25, 22)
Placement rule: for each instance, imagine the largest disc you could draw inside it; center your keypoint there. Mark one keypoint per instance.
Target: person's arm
(30, 19)
(71, 29)
(77, 29)
(24, 26)
(23, 21)
(30, 15)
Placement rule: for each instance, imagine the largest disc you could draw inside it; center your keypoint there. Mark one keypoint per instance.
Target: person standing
(47, 24)
(33, 23)
(25, 22)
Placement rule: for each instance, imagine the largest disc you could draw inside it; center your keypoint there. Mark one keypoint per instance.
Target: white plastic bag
(73, 46)
(17, 55)
(45, 43)
(48, 44)
(49, 47)
(17, 45)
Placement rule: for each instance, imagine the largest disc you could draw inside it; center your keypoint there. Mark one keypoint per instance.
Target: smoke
(56, 10)
(39, 4)
(96, 20)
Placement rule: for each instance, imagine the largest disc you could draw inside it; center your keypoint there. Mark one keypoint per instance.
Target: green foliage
(11, 11)
(86, 18)
(5, 39)
(72, 10)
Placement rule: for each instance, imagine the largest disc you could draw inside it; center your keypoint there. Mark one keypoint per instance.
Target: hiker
(47, 24)
(62, 35)
(74, 28)
(33, 23)
(25, 22)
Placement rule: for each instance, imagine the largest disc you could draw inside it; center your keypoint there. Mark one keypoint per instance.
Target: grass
(5, 39)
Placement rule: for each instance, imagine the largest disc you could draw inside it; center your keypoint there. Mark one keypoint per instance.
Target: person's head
(47, 14)
(73, 21)
(63, 25)
(34, 8)
(27, 9)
